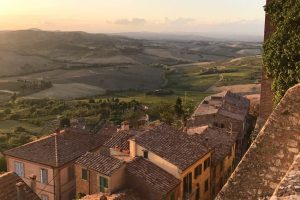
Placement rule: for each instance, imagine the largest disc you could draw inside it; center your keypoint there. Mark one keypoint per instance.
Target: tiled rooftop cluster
(175, 146)
(59, 148)
(99, 163)
(220, 140)
(109, 154)
(122, 195)
(225, 103)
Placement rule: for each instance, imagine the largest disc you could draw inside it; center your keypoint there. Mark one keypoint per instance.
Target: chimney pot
(33, 182)
(125, 126)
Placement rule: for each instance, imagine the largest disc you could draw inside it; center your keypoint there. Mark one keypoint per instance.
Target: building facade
(51, 160)
(225, 110)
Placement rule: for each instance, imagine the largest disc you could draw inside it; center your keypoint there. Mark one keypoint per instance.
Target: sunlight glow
(127, 15)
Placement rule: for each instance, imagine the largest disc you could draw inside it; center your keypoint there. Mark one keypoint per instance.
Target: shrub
(282, 50)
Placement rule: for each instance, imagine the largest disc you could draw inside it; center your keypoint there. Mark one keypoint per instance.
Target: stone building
(225, 110)
(223, 143)
(151, 181)
(99, 173)
(51, 160)
(179, 154)
(270, 168)
(161, 163)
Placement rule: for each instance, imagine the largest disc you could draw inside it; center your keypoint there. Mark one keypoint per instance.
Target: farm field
(49, 76)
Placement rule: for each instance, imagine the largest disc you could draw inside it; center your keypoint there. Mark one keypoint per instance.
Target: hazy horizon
(192, 16)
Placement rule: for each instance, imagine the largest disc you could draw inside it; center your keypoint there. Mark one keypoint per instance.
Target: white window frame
(19, 169)
(44, 180)
(44, 197)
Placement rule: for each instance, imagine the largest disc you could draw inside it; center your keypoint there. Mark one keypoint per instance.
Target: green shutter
(103, 184)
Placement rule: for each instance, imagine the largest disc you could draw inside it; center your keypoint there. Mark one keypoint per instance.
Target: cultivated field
(213, 76)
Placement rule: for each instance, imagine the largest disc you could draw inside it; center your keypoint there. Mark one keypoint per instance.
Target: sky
(112, 16)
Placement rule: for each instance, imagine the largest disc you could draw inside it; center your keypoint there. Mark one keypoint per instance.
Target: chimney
(206, 142)
(125, 126)
(20, 191)
(57, 131)
(33, 182)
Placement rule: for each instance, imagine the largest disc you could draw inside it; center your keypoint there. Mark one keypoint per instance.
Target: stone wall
(270, 156)
(266, 99)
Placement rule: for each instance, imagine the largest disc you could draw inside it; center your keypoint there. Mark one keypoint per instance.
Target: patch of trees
(160, 92)
(35, 84)
(92, 113)
(215, 70)
(282, 50)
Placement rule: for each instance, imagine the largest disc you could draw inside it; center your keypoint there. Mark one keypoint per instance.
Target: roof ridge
(6, 174)
(56, 148)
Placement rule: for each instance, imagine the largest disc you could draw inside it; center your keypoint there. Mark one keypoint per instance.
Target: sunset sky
(223, 16)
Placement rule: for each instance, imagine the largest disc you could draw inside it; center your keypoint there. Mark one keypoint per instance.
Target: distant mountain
(192, 36)
(34, 50)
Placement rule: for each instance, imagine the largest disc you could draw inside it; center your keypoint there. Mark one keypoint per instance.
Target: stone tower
(266, 98)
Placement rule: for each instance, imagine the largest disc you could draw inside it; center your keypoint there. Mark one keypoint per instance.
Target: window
(206, 185)
(197, 171)
(44, 197)
(84, 174)
(71, 173)
(173, 196)
(146, 154)
(103, 184)
(19, 169)
(187, 185)
(44, 176)
(197, 193)
(206, 163)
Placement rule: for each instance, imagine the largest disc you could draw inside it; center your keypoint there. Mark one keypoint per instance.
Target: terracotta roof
(8, 188)
(158, 179)
(58, 149)
(120, 139)
(219, 139)
(177, 147)
(270, 156)
(124, 195)
(226, 103)
(100, 163)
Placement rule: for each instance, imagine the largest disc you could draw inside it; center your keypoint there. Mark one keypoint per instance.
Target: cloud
(134, 22)
(180, 21)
